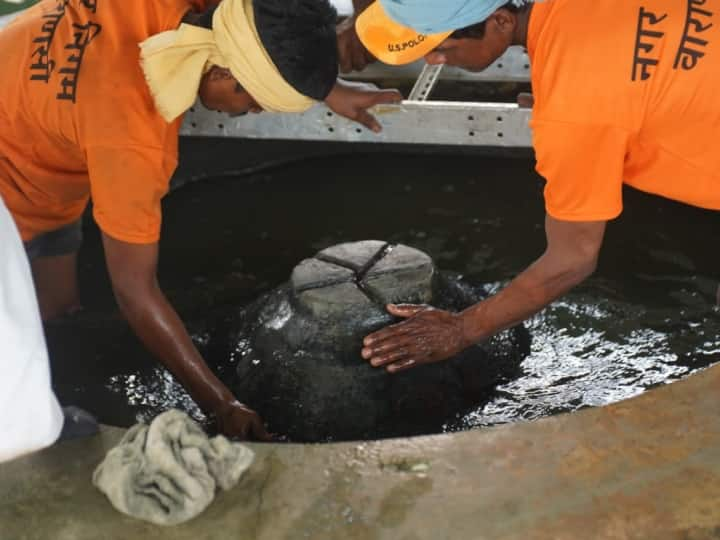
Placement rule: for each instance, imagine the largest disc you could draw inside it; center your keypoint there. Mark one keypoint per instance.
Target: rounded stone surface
(355, 275)
(315, 274)
(334, 300)
(299, 363)
(403, 274)
(353, 255)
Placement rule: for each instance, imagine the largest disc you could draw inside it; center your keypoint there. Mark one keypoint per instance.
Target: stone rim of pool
(595, 474)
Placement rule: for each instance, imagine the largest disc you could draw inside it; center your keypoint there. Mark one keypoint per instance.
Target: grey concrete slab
(646, 468)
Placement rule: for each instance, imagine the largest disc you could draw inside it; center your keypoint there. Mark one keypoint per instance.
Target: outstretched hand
(352, 100)
(239, 421)
(427, 335)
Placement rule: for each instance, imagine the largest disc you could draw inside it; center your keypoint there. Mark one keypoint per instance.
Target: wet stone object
(298, 359)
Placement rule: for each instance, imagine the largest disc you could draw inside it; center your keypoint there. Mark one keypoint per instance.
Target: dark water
(648, 316)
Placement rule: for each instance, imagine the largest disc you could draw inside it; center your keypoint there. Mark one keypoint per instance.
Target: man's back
(79, 102)
(625, 91)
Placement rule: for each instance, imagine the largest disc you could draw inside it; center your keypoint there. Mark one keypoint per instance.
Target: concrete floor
(646, 468)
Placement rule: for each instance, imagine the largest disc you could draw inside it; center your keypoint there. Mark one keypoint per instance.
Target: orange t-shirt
(626, 91)
(77, 119)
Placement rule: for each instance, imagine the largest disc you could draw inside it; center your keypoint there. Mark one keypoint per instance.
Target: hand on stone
(353, 54)
(428, 335)
(236, 420)
(352, 100)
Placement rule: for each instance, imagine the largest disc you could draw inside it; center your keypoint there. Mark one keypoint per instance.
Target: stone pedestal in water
(298, 349)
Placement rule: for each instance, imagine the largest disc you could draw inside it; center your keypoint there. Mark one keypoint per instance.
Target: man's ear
(503, 20)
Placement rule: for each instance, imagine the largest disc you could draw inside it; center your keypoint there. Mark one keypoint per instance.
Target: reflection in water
(593, 355)
(153, 393)
(646, 318)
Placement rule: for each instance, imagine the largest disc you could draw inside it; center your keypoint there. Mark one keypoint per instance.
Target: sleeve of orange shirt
(126, 187)
(583, 166)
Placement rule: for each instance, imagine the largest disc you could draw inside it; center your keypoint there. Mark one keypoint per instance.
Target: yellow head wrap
(175, 61)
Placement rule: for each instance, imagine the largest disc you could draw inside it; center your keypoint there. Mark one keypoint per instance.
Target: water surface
(647, 317)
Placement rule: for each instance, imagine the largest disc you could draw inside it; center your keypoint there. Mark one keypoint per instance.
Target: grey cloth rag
(167, 472)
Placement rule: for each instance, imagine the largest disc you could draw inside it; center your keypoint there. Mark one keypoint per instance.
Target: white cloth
(30, 416)
(168, 472)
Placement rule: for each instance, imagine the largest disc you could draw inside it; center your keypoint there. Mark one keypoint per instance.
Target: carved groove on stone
(362, 272)
(363, 288)
(338, 274)
(331, 259)
(381, 254)
(320, 285)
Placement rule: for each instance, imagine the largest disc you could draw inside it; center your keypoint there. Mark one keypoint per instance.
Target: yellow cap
(391, 42)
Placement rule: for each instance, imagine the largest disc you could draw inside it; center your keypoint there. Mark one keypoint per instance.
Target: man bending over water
(625, 93)
(93, 108)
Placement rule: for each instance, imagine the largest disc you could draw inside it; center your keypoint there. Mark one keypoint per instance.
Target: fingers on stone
(402, 365)
(389, 332)
(391, 346)
(391, 357)
(378, 341)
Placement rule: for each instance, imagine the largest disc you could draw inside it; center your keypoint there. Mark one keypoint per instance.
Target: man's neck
(360, 5)
(521, 30)
(191, 17)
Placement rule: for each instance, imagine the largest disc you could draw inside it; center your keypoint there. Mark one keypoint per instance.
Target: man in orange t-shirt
(625, 92)
(92, 109)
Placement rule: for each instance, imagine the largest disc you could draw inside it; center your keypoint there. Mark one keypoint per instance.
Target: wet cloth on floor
(168, 472)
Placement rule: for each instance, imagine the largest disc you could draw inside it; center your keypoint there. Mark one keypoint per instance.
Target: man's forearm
(527, 294)
(431, 335)
(159, 327)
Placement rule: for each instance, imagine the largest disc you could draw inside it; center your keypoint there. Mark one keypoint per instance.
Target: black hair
(477, 30)
(299, 36)
(205, 18)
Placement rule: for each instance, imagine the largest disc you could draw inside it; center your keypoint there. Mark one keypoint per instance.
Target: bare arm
(133, 272)
(429, 335)
(570, 258)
